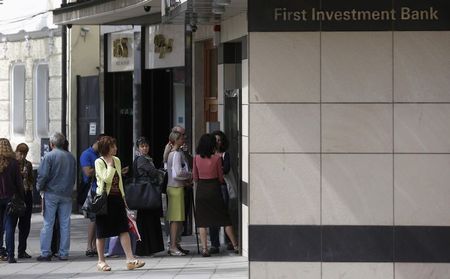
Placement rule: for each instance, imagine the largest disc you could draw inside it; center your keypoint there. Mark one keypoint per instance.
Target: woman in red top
(210, 207)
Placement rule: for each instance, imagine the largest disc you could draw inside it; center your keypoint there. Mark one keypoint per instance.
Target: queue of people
(102, 172)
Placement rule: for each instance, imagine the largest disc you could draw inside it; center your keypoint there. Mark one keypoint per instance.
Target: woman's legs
(203, 238)
(91, 236)
(126, 245)
(101, 249)
(174, 228)
(230, 233)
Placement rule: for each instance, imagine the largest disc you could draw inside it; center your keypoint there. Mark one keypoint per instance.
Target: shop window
(41, 81)
(18, 99)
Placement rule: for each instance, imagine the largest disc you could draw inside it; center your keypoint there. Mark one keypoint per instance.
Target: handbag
(16, 207)
(140, 193)
(96, 204)
(99, 203)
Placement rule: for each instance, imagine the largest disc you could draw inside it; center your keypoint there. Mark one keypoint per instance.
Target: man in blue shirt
(89, 182)
(56, 177)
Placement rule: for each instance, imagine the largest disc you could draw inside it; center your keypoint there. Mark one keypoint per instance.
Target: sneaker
(12, 260)
(44, 258)
(214, 250)
(63, 258)
(3, 258)
(90, 253)
(24, 255)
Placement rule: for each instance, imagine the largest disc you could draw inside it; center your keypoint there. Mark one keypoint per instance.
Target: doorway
(163, 107)
(119, 113)
(88, 112)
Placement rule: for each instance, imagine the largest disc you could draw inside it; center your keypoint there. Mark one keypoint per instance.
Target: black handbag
(16, 207)
(141, 193)
(96, 204)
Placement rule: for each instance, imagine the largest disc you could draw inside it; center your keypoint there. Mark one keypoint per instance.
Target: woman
(179, 176)
(26, 170)
(115, 222)
(148, 220)
(210, 206)
(10, 184)
(221, 150)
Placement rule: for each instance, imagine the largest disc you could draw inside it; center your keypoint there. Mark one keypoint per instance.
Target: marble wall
(349, 129)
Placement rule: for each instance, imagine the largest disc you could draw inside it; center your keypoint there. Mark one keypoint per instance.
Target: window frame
(41, 108)
(18, 114)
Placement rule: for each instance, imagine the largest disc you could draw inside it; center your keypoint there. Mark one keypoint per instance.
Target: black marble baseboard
(284, 243)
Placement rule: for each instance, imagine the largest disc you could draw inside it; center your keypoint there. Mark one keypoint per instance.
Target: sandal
(205, 252)
(135, 264)
(176, 253)
(102, 266)
(236, 249)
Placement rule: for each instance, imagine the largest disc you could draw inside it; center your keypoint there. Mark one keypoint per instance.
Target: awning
(146, 12)
(109, 12)
(204, 12)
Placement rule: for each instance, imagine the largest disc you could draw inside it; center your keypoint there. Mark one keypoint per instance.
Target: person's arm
(30, 176)
(88, 171)
(220, 170)
(226, 166)
(166, 153)
(43, 172)
(104, 173)
(86, 165)
(179, 171)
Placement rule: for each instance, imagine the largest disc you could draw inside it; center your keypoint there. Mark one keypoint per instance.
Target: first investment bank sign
(348, 15)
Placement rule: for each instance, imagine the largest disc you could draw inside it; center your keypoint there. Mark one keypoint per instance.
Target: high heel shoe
(236, 249)
(205, 252)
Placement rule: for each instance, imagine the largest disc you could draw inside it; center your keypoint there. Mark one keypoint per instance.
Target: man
(88, 183)
(187, 202)
(56, 177)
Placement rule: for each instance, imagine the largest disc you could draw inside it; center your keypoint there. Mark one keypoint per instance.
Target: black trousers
(25, 223)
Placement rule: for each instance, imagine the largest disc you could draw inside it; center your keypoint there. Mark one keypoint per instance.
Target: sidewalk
(159, 266)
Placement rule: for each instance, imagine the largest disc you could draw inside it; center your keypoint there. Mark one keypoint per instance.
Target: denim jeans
(8, 224)
(214, 231)
(3, 203)
(25, 223)
(63, 205)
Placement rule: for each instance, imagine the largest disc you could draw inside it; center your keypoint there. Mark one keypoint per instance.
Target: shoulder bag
(96, 204)
(143, 192)
(16, 207)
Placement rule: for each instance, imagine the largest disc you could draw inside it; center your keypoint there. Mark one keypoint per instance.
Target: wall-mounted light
(222, 2)
(83, 32)
(218, 10)
(216, 38)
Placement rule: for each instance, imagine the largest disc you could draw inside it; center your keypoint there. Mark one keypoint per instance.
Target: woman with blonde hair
(10, 185)
(179, 176)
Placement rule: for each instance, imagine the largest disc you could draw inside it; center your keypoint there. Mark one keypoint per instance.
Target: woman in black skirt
(109, 174)
(148, 220)
(210, 207)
